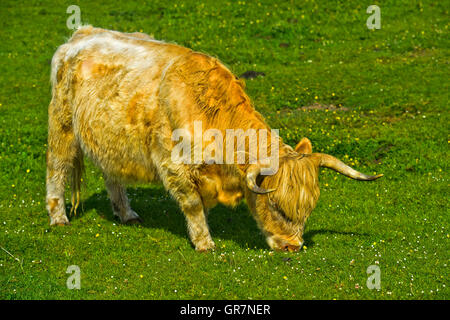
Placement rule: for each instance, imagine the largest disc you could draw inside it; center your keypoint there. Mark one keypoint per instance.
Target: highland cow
(118, 97)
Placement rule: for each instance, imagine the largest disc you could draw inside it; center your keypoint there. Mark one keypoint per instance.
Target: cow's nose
(291, 248)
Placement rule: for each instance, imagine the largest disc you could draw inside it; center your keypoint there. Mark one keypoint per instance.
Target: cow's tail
(76, 179)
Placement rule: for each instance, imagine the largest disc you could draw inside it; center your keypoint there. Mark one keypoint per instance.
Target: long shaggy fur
(117, 98)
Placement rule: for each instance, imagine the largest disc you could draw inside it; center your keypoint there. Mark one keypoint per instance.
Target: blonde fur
(118, 97)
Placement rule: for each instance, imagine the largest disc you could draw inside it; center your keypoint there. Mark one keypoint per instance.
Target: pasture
(376, 99)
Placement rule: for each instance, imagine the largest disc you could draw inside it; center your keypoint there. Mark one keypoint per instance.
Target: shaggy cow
(118, 97)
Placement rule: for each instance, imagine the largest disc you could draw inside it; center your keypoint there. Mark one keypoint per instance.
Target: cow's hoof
(132, 218)
(60, 221)
(205, 246)
(137, 220)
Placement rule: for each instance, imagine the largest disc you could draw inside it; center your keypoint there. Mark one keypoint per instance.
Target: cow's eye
(279, 211)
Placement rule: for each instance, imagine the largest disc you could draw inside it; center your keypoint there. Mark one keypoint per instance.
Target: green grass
(391, 90)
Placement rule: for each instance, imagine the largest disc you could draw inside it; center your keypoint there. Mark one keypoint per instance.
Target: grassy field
(377, 99)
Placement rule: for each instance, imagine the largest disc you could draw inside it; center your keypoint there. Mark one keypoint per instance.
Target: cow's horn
(325, 160)
(252, 174)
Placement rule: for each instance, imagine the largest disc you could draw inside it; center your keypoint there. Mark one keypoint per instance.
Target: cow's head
(285, 200)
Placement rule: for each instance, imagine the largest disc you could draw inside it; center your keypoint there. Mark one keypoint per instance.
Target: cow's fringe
(76, 178)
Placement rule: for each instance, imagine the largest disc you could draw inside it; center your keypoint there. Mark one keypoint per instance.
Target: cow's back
(126, 93)
(110, 81)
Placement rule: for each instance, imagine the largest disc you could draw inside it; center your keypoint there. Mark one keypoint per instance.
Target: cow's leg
(120, 203)
(64, 158)
(57, 171)
(178, 183)
(194, 212)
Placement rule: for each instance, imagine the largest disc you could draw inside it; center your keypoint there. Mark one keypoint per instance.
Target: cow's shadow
(158, 210)
(310, 234)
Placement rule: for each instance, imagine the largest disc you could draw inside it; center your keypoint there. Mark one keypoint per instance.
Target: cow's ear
(304, 146)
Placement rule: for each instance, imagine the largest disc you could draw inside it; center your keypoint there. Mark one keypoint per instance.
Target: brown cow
(118, 97)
